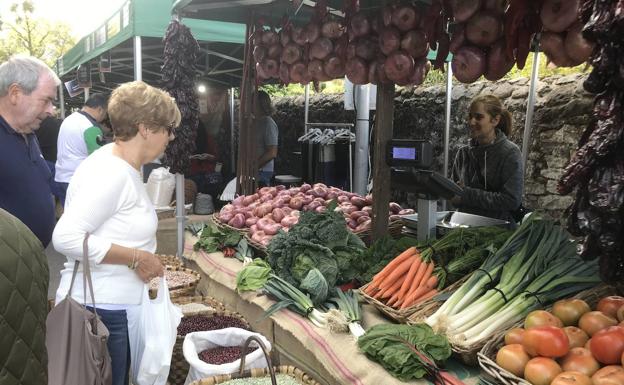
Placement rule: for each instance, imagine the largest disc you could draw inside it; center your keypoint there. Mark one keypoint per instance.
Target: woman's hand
(148, 266)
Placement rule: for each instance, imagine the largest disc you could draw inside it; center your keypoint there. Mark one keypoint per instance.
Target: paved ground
(55, 263)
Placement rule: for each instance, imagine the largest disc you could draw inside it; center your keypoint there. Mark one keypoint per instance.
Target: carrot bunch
(407, 280)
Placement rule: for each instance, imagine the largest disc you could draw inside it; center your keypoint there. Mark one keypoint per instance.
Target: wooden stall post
(384, 125)
(245, 164)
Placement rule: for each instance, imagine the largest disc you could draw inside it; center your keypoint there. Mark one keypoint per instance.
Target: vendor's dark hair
(264, 102)
(97, 100)
(493, 106)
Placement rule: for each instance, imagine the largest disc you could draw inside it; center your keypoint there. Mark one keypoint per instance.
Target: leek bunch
(294, 299)
(536, 266)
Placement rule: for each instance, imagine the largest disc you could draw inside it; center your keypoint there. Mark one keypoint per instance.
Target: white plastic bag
(152, 330)
(160, 186)
(195, 343)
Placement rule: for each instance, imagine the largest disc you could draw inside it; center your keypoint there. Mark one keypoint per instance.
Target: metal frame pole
(306, 120)
(61, 101)
(447, 122)
(528, 123)
(362, 99)
(232, 138)
(138, 59)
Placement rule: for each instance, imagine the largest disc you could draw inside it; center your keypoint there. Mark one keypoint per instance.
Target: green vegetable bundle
(253, 276)
(393, 346)
(318, 240)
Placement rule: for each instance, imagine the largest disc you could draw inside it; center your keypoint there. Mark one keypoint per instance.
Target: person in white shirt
(107, 199)
(78, 138)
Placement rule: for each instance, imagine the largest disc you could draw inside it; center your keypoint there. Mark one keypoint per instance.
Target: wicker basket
(296, 373)
(395, 226)
(171, 260)
(258, 247)
(271, 371)
(208, 301)
(224, 226)
(182, 289)
(487, 355)
(400, 316)
(179, 367)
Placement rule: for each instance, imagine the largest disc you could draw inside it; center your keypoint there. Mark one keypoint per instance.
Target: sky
(83, 16)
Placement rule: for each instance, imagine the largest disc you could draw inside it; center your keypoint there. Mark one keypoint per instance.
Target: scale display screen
(409, 153)
(404, 153)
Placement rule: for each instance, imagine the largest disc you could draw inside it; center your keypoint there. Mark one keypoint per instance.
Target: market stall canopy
(238, 11)
(221, 43)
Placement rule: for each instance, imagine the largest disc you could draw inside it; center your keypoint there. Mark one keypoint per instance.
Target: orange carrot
(409, 278)
(423, 297)
(394, 263)
(418, 277)
(398, 272)
(432, 282)
(389, 291)
(427, 274)
(413, 295)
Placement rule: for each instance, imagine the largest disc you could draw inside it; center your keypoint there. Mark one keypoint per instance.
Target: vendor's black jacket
(493, 177)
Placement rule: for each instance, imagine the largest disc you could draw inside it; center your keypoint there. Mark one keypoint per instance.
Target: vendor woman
(489, 169)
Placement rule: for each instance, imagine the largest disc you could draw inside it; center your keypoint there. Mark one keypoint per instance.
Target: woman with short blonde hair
(106, 198)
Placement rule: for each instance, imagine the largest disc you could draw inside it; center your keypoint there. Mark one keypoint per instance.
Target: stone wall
(562, 111)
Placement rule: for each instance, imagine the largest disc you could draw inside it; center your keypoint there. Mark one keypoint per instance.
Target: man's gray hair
(25, 71)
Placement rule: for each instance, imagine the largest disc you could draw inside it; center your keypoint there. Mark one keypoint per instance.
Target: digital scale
(410, 164)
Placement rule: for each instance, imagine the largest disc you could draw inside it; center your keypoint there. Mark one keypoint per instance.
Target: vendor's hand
(460, 184)
(148, 266)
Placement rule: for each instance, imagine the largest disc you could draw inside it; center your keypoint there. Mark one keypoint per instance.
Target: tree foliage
(22, 32)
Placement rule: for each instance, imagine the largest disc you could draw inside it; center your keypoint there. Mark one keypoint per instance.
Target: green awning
(145, 18)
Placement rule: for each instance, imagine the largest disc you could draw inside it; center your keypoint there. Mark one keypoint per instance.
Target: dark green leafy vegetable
(318, 240)
(393, 346)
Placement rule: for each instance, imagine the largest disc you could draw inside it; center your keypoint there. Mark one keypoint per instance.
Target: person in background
(47, 135)
(489, 169)
(78, 137)
(267, 137)
(106, 198)
(27, 89)
(23, 304)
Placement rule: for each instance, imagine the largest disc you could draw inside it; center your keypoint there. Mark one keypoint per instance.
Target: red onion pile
(272, 209)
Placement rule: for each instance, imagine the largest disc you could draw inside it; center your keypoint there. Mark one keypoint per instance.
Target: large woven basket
(395, 227)
(423, 309)
(225, 226)
(297, 374)
(179, 367)
(204, 300)
(258, 247)
(487, 355)
(181, 289)
(170, 260)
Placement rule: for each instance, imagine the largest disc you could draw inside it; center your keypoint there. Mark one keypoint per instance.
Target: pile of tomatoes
(569, 345)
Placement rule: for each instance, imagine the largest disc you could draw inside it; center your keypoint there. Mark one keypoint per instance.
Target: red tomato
(546, 341)
(541, 371)
(569, 311)
(580, 360)
(514, 336)
(595, 321)
(541, 318)
(609, 375)
(512, 358)
(571, 378)
(610, 305)
(576, 336)
(608, 345)
(620, 314)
